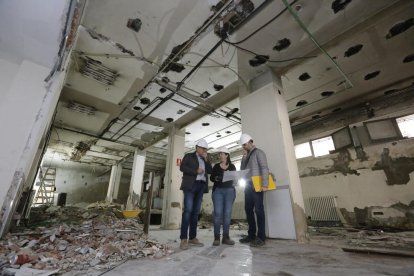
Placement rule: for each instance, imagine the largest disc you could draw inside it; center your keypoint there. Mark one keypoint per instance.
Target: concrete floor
(277, 257)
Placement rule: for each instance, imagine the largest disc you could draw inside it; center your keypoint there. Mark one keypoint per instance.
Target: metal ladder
(45, 194)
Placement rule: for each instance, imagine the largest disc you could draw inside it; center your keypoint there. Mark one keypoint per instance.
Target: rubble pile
(79, 239)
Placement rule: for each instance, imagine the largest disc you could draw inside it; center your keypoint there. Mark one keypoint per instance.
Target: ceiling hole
(165, 79)
(187, 132)
(228, 131)
(205, 124)
(134, 24)
(298, 7)
(169, 120)
(400, 27)
(339, 5)
(137, 108)
(408, 58)
(336, 109)
(372, 75)
(258, 60)
(353, 50)
(218, 87)
(327, 93)
(180, 111)
(281, 44)
(145, 101)
(205, 95)
(218, 136)
(163, 90)
(391, 91)
(301, 103)
(305, 76)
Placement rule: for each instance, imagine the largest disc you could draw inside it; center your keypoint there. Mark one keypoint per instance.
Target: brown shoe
(226, 240)
(184, 245)
(195, 242)
(216, 240)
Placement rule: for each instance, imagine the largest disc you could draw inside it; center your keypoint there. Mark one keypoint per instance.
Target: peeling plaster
(397, 171)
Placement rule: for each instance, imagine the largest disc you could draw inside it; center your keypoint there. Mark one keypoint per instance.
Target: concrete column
(265, 117)
(114, 181)
(173, 196)
(135, 188)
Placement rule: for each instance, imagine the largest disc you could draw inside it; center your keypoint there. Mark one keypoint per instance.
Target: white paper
(234, 175)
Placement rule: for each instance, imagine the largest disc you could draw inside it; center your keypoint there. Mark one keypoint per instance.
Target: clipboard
(257, 183)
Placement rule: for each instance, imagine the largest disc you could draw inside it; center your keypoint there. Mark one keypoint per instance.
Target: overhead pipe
(311, 37)
(198, 33)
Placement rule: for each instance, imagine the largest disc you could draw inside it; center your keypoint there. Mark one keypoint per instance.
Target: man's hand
(264, 189)
(200, 171)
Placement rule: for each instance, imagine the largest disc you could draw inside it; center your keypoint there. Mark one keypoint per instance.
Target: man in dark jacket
(195, 167)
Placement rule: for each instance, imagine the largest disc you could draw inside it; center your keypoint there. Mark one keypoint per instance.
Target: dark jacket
(217, 177)
(189, 166)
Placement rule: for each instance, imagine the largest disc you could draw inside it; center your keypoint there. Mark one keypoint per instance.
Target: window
(383, 130)
(342, 138)
(406, 125)
(303, 150)
(322, 146)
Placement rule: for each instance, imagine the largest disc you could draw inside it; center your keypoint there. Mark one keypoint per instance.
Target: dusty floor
(277, 257)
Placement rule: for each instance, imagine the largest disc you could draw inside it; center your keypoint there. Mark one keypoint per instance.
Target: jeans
(254, 202)
(192, 206)
(223, 199)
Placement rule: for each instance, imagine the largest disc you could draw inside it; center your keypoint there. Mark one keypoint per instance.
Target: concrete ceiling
(368, 45)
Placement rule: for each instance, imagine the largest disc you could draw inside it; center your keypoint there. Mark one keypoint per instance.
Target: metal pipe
(302, 25)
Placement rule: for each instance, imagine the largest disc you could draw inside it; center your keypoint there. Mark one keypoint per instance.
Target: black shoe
(257, 243)
(246, 239)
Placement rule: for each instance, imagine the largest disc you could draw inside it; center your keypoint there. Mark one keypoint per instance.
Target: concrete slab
(277, 257)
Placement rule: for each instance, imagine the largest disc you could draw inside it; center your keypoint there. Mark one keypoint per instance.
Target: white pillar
(265, 117)
(114, 182)
(135, 188)
(173, 196)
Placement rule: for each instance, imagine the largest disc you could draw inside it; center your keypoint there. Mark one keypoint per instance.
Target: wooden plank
(382, 251)
(147, 214)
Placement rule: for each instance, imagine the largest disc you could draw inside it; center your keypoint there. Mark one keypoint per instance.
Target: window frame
(394, 123)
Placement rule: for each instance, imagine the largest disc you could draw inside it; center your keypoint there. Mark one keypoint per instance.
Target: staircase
(45, 194)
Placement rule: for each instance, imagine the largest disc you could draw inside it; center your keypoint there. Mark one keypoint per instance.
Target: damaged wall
(84, 185)
(374, 184)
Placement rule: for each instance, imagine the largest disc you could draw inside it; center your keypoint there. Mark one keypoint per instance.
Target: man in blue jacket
(195, 167)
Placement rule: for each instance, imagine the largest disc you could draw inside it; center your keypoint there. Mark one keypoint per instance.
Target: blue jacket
(189, 166)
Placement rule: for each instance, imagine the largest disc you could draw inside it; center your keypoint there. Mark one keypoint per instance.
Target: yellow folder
(257, 183)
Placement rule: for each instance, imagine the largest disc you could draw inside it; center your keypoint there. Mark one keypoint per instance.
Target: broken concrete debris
(72, 238)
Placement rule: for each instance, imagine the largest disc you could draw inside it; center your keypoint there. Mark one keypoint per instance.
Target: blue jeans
(192, 206)
(223, 199)
(254, 202)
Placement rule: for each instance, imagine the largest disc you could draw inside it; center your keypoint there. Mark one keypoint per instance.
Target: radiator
(323, 208)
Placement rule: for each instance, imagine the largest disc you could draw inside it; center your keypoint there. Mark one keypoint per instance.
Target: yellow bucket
(131, 213)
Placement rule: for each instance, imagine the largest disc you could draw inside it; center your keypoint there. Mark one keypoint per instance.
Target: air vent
(89, 110)
(94, 69)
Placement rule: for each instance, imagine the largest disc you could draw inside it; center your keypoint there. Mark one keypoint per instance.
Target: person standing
(255, 160)
(195, 167)
(223, 197)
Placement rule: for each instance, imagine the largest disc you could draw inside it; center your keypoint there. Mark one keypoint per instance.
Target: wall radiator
(323, 208)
